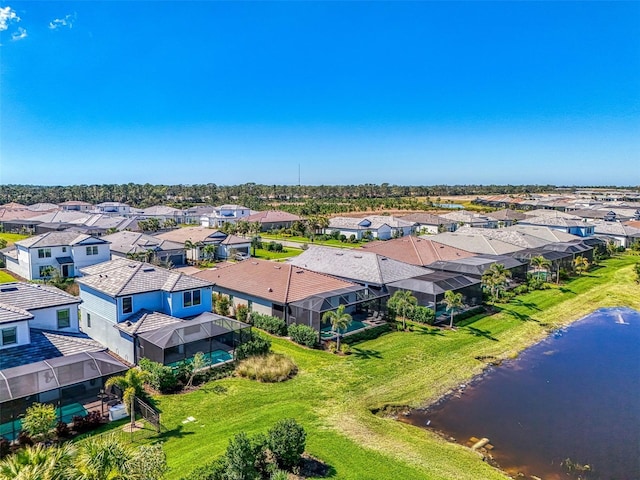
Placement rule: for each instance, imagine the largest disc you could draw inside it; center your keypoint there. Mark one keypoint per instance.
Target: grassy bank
(11, 238)
(333, 396)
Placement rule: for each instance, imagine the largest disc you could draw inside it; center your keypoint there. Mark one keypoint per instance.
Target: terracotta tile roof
(277, 282)
(416, 251)
(193, 234)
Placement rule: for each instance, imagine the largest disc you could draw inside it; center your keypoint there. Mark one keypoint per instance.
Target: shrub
(287, 440)
(345, 349)
(240, 458)
(5, 447)
(273, 325)
(90, 421)
(214, 470)
(63, 430)
(520, 289)
(270, 368)
(221, 305)
(24, 439)
(303, 334)
(368, 334)
(40, 419)
(161, 377)
(423, 315)
(258, 345)
(332, 347)
(241, 313)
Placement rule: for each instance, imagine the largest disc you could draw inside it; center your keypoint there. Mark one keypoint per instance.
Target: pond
(575, 396)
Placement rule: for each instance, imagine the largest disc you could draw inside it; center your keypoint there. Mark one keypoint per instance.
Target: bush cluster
(162, 378)
(273, 325)
(368, 334)
(90, 421)
(258, 457)
(258, 345)
(271, 368)
(242, 312)
(303, 335)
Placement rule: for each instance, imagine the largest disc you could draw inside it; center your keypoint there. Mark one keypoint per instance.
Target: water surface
(575, 395)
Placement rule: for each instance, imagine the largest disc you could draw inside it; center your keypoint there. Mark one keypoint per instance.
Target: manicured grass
(11, 238)
(332, 396)
(267, 255)
(302, 240)
(5, 277)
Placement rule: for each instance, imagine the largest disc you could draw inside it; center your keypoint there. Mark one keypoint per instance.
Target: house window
(93, 250)
(250, 305)
(191, 298)
(44, 253)
(127, 305)
(9, 336)
(88, 320)
(64, 318)
(64, 249)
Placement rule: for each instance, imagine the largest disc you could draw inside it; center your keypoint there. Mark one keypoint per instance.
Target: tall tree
(132, 386)
(540, 263)
(339, 320)
(403, 302)
(580, 264)
(453, 301)
(496, 279)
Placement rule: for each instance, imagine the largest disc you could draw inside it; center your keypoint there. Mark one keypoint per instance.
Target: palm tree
(339, 319)
(102, 458)
(453, 301)
(581, 264)
(540, 263)
(403, 302)
(189, 245)
(496, 279)
(132, 386)
(209, 251)
(38, 462)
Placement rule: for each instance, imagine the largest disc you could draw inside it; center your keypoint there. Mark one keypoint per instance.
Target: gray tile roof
(475, 243)
(9, 313)
(545, 232)
(122, 276)
(553, 221)
(356, 265)
(46, 345)
(427, 219)
(514, 237)
(32, 296)
(506, 214)
(546, 213)
(356, 223)
(616, 228)
(134, 242)
(146, 321)
(55, 239)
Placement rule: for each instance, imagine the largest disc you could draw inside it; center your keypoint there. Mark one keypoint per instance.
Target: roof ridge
(135, 269)
(415, 248)
(286, 291)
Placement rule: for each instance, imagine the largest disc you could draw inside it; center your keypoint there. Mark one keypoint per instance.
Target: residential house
(420, 251)
(476, 266)
(148, 247)
(380, 227)
(273, 219)
(39, 256)
(428, 223)
(622, 235)
(164, 213)
(474, 242)
(117, 208)
(76, 205)
(198, 238)
(476, 220)
(557, 222)
(506, 217)
(44, 357)
(115, 295)
(224, 214)
(286, 291)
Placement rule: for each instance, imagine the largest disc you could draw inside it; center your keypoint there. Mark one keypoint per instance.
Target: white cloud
(19, 35)
(7, 15)
(67, 21)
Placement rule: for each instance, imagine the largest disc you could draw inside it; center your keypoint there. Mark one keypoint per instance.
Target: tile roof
(46, 345)
(553, 221)
(545, 232)
(122, 276)
(272, 216)
(34, 296)
(506, 214)
(475, 243)
(134, 242)
(146, 321)
(427, 219)
(235, 240)
(193, 234)
(161, 210)
(356, 265)
(466, 217)
(274, 281)
(616, 228)
(514, 237)
(55, 239)
(546, 213)
(10, 313)
(356, 223)
(477, 265)
(419, 251)
(62, 216)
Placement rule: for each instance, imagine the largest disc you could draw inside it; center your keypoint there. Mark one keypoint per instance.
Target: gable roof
(616, 228)
(278, 282)
(356, 265)
(146, 321)
(353, 223)
(419, 251)
(544, 232)
(427, 219)
(34, 296)
(56, 239)
(514, 237)
(9, 313)
(506, 214)
(477, 265)
(122, 276)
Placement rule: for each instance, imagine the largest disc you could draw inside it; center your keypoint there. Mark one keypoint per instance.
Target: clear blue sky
(354, 92)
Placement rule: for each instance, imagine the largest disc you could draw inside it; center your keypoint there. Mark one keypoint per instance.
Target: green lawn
(287, 252)
(333, 396)
(6, 277)
(330, 243)
(12, 237)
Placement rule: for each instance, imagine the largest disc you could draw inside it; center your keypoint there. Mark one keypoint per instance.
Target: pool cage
(215, 336)
(72, 383)
(359, 300)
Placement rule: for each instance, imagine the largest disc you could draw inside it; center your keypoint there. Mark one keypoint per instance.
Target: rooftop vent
(277, 267)
(148, 269)
(9, 289)
(269, 289)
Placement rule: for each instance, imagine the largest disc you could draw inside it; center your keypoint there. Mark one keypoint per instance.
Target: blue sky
(353, 92)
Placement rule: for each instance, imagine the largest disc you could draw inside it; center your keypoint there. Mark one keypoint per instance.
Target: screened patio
(215, 336)
(71, 383)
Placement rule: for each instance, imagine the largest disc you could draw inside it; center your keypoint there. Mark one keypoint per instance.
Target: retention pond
(568, 407)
